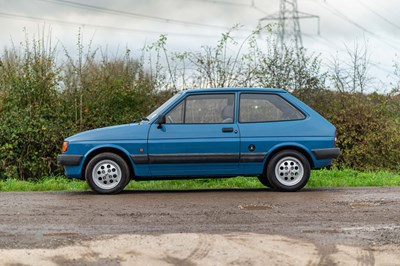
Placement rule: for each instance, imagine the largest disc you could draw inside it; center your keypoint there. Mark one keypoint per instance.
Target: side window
(210, 109)
(203, 109)
(266, 108)
(175, 116)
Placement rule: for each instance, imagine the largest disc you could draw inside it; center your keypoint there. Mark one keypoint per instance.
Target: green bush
(42, 102)
(108, 92)
(368, 127)
(32, 121)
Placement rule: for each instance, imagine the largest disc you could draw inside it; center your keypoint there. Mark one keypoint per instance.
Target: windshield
(163, 106)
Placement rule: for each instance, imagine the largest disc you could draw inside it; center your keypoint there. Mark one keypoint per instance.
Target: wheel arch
(112, 149)
(301, 149)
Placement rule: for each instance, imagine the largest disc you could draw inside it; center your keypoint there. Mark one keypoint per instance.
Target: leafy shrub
(42, 102)
(368, 132)
(106, 92)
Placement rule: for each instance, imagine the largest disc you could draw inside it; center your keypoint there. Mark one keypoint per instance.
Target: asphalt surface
(356, 216)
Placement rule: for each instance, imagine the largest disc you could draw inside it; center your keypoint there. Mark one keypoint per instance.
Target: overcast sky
(191, 23)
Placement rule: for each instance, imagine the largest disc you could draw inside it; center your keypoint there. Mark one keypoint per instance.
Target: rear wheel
(288, 170)
(107, 173)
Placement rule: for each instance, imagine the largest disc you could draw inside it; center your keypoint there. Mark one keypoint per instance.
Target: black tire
(288, 171)
(107, 173)
(264, 180)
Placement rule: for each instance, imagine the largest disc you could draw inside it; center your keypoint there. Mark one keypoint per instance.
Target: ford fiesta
(205, 133)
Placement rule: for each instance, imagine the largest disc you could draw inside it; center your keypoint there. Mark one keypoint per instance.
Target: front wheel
(107, 173)
(288, 170)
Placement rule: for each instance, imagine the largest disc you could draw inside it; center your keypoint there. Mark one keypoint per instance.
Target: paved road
(361, 218)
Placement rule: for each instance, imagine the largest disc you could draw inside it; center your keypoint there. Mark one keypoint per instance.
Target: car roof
(200, 90)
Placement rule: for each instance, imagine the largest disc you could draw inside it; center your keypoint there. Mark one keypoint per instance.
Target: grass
(320, 178)
(44, 184)
(352, 178)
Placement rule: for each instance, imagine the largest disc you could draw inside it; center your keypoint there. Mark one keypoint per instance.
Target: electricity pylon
(288, 17)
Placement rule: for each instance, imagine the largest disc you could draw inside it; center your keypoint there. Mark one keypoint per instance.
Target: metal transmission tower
(288, 23)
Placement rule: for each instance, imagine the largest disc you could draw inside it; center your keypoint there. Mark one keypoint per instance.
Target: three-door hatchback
(205, 133)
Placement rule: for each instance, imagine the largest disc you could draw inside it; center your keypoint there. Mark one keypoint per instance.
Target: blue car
(206, 133)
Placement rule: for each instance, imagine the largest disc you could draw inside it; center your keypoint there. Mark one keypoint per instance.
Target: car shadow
(200, 190)
(223, 190)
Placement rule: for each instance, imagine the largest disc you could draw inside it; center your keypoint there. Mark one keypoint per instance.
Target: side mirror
(161, 120)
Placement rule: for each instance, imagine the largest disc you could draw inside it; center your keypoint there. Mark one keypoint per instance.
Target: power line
(339, 14)
(259, 9)
(130, 14)
(222, 2)
(25, 17)
(335, 46)
(320, 39)
(219, 2)
(379, 15)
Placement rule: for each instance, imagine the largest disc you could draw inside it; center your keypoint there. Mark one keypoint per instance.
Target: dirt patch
(360, 221)
(200, 249)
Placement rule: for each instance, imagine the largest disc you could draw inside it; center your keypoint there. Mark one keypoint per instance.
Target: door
(200, 138)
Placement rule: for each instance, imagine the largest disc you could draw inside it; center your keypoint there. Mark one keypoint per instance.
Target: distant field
(320, 178)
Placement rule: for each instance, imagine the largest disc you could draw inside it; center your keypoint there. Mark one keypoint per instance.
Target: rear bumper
(69, 160)
(324, 154)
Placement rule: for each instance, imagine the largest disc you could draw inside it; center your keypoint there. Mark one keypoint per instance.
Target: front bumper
(324, 154)
(69, 159)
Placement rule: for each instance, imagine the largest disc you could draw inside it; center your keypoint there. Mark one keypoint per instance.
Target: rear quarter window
(263, 107)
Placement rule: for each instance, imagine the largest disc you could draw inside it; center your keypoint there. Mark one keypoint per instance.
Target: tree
(253, 62)
(352, 73)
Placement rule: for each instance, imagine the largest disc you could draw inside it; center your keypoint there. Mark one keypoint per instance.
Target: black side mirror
(161, 120)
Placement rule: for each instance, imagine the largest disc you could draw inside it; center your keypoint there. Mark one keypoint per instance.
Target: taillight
(64, 146)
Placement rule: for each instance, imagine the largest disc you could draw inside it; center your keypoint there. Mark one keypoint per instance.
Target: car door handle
(227, 129)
